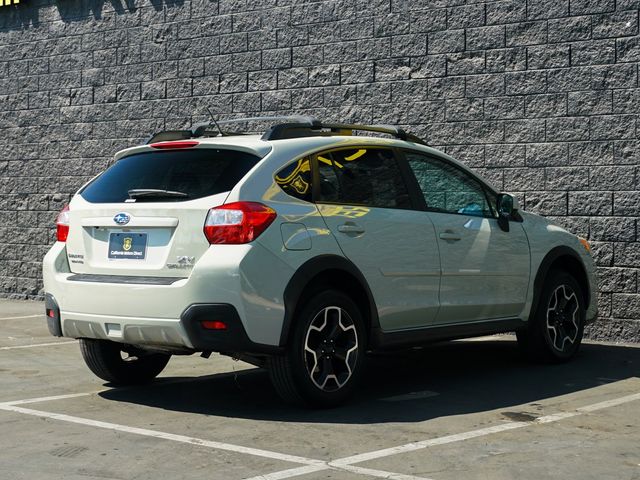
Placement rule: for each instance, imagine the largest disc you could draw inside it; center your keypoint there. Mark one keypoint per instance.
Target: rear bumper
(247, 278)
(185, 333)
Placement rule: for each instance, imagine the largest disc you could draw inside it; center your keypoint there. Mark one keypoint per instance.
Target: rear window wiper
(155, 193)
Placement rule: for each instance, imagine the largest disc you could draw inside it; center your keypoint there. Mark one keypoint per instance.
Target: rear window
(195, 173)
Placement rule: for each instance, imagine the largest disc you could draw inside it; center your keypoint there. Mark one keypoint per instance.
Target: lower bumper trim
(233, 339)
(123, 279)
(52, 311)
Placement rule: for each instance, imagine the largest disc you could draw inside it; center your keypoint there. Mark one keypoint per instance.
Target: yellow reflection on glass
(344, 211)
(295, 177)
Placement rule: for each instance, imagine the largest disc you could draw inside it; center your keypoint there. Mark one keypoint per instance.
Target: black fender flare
(543, 270)
(306, 273)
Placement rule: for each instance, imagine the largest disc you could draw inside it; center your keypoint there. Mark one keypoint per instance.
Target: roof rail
(201, 129)
(295, 130)
(284, 127)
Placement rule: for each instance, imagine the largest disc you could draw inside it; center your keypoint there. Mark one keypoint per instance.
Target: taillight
(62, 224)
(175, 144)
(213, 325)
(239, 222)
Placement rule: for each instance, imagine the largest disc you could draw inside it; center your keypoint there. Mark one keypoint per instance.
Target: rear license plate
(128, 245)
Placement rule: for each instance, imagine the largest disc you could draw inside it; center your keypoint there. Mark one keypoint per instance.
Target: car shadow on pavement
(411, 386)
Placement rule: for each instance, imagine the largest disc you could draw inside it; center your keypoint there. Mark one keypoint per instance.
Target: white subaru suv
(300, 250)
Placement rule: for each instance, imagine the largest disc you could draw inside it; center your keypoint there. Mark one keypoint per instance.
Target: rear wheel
(555, 331)
(325, 354)
(121, 364)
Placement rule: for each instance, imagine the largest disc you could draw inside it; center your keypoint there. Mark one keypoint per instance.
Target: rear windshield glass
(165, 176)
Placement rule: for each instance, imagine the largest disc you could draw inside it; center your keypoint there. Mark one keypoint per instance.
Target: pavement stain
(520, 416)
(67, 451)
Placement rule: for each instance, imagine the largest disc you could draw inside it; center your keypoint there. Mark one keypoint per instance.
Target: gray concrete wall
(541, 95)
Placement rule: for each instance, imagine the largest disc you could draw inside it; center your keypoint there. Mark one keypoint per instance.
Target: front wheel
(325, 355)
(121, 364)
(555, 331)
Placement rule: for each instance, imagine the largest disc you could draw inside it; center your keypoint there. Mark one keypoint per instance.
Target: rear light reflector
(176, 144)
(62, 225)
(238, 222)
(213, 325)
(51, 313)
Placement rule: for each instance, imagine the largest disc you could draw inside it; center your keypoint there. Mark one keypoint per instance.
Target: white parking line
(295, 472)
(48, 399)
(345, 462)
(410, 447)
(163, 435)
(40, 315)
(310, 465)
(379, 473)
(16, 347)
(609, 403)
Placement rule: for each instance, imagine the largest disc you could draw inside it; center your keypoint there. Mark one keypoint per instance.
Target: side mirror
(507, 205)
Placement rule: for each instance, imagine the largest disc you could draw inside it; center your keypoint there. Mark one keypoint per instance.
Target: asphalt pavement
(467, 409)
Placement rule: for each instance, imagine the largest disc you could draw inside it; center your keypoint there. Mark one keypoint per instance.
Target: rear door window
(194, 173)
(362, 176)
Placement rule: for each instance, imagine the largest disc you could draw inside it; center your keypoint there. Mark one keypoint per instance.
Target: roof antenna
(214, 121)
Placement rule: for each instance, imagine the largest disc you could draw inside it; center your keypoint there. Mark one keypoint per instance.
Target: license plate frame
(127, 246)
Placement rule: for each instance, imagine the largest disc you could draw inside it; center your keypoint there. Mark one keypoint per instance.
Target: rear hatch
(144, 215)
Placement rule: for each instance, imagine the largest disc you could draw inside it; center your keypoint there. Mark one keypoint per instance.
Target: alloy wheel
(563, 317)
(331, 349)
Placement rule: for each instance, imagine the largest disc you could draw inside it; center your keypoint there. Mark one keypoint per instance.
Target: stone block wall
(540, 95)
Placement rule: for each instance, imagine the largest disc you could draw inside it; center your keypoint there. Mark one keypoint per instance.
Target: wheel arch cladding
(568, 260)
(324, 272)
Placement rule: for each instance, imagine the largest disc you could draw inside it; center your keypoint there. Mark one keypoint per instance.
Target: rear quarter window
(295, 179)
(196, 173)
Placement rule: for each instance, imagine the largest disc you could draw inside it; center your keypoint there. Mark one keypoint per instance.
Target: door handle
(350, 228)
(450, 236)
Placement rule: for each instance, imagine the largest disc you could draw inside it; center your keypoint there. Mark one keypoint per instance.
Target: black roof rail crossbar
(295, 130)
(200, 129)
(281, 118)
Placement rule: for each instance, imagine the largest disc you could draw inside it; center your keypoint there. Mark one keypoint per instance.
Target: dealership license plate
(128, 245)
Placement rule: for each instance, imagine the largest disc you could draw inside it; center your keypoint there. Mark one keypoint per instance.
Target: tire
(555, 330)
(325, 355)
(105, 359)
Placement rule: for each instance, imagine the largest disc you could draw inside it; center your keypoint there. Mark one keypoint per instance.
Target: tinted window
(197, 173)
(448, 189)
(295, 179)
(362, 176)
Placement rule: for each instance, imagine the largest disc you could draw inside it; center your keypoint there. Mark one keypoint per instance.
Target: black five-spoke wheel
(331, 348)
(554, 332)
(324, 355)
(563, 317)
